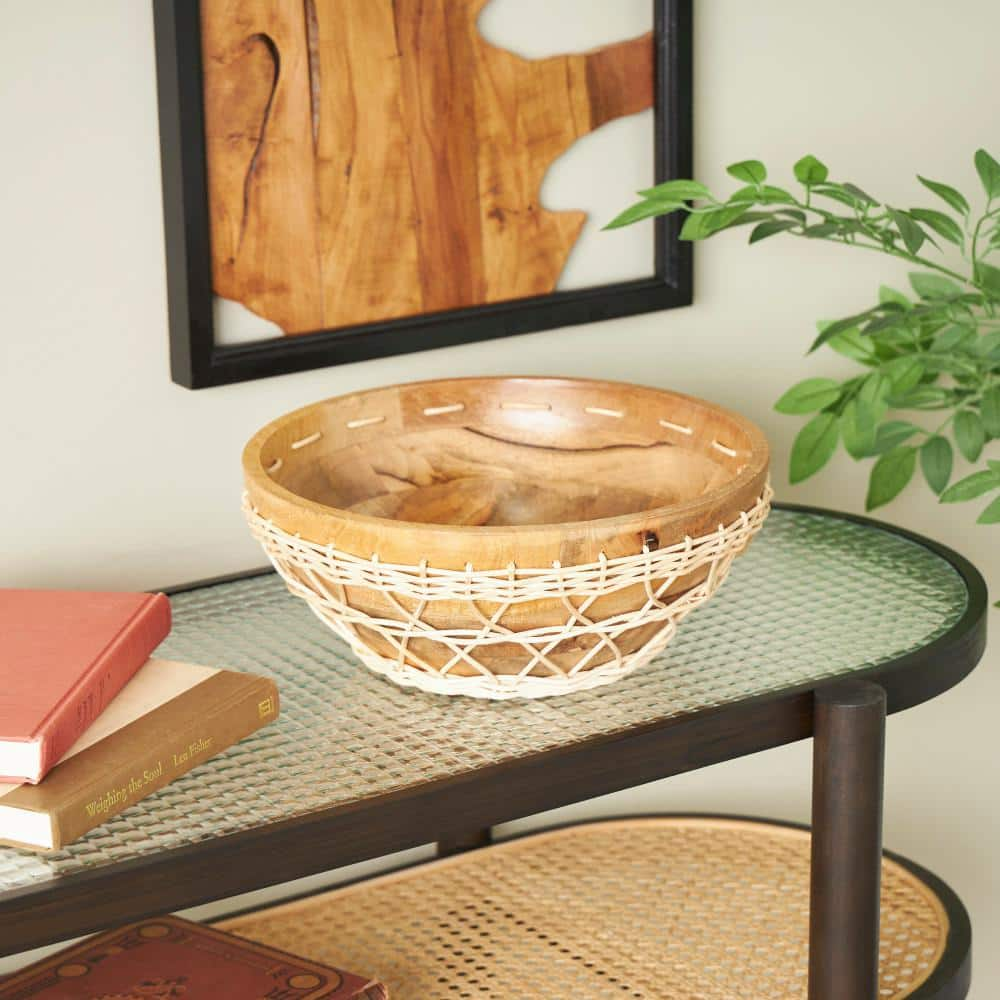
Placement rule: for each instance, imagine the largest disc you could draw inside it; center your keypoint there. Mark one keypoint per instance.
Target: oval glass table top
(815, 597)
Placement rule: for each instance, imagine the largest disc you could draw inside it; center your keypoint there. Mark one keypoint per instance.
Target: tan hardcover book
(168, 719)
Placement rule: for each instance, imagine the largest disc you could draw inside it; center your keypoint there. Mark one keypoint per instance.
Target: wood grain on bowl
(486, 473)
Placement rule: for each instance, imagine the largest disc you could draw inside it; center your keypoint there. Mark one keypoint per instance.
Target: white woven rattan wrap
(320, 575)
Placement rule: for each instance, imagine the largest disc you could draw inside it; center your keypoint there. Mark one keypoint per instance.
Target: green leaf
(678, 190)
(904, 373)
(989, 173)
(750, 217)
(934, 286)
(887, 294)
(872, 395)
(771, 195)
(748, 171)
(943, 225)
(988, 345)
(893, 433)
(970, 436)
(968, 300)
(836, 192)
(821, 230)
(913, 235)
(924, 397)
(947, 194)
(764, 229)
(858, 436)
(855, 192)
(792, 213)
(890, 305)
(766, 194)
(953, 338)
(851, 344)
(828, 329)
(991, 515)
(809, 396)
(847, 194)
(971, 487)
(809, 170)
(988, 278)
(890, 474)
(989, 412)
(813, 447)
(887, 322)
(700, 225)
(950, 364)
(642, 210)
(936, 459)
(695, 227)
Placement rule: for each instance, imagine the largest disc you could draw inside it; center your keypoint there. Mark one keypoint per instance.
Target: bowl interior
(506, 451)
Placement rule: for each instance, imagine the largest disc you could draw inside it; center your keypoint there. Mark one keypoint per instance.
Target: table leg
(848, 757)
(467, 841)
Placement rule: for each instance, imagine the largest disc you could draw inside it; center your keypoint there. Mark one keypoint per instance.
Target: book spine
(196, 740)
(105, 677)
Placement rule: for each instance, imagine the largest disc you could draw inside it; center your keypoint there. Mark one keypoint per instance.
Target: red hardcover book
(168, 958)
(64, 654)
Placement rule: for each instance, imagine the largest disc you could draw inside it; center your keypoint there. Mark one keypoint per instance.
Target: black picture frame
(196, 361)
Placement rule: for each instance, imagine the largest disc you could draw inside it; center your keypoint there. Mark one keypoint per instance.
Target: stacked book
(90, 723)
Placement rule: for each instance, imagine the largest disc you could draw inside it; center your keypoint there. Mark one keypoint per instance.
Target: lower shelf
(659, 908)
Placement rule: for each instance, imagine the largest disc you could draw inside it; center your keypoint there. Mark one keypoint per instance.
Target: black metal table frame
(846, 719)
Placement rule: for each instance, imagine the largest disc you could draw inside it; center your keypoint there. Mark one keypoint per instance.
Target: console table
(825, 623)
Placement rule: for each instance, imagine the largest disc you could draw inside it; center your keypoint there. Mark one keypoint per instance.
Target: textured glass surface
(812, 598)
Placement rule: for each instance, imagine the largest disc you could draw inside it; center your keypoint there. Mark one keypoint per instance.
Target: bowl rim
(258, 479)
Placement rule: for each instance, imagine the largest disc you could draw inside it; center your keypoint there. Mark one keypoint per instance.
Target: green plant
(935, 350)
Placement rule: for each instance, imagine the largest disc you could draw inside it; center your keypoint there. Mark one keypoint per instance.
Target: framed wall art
(349, 179)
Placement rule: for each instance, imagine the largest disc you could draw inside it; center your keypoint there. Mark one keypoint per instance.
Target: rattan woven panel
(659, 909)
(813, 597)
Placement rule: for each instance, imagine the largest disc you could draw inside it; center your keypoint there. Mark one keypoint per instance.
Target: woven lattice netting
(519, 631)
(658, 909)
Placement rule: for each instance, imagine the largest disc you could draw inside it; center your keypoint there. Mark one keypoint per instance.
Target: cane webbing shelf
(676, 908)
(356, 767)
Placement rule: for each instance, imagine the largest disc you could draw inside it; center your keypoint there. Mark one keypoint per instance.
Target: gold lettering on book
(107, 801)
(196, 748)
(114, 799)
(139, 781)
(265, 707)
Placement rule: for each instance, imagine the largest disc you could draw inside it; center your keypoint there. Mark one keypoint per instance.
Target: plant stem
(913, 258)
(975, 236)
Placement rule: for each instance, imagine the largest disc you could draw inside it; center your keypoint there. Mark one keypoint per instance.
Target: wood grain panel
(262, 175)
(372, 159)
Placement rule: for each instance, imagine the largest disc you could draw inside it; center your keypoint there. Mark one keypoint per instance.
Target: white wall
(112, 476)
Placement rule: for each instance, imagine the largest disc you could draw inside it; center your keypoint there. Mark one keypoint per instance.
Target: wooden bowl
(481, 478)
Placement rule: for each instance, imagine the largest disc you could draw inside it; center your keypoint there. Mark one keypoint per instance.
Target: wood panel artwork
(375, 159)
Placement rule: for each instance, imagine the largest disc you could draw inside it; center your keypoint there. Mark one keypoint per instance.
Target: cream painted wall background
(113, 476)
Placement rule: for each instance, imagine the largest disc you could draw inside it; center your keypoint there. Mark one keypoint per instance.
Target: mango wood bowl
(506, 537)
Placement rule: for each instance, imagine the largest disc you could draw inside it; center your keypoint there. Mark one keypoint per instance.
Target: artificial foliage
(928, 379)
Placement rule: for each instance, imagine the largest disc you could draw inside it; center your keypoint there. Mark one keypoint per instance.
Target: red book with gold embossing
(168, 958)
